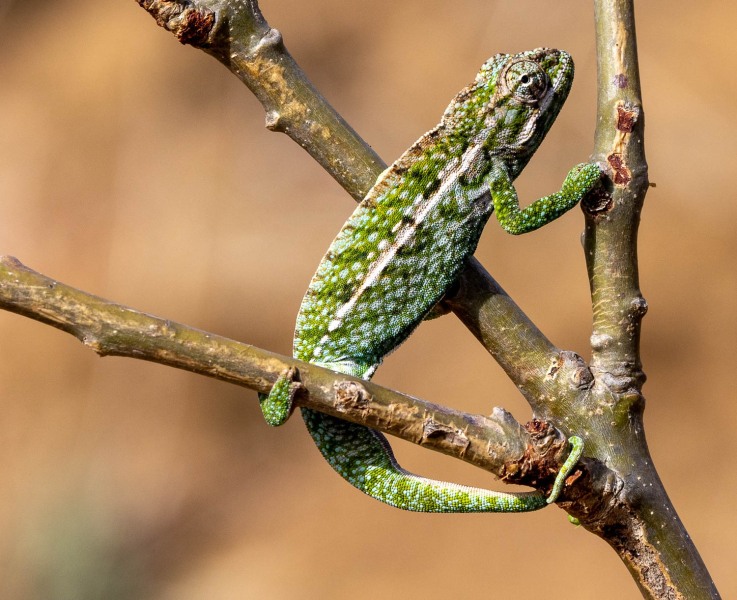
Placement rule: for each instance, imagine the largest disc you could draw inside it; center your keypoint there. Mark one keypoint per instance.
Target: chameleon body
(406, 243)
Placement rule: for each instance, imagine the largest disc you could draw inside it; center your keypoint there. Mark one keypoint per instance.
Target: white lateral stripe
(405, 234)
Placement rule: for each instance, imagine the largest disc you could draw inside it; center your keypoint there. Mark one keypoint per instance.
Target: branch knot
(189, 24)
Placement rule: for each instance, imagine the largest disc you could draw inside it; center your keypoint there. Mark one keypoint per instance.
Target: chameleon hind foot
(276, 406)
(576, 452)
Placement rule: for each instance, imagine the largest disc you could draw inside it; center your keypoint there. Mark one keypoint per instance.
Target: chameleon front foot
(580, 180)
(276, 406)
(576, 452)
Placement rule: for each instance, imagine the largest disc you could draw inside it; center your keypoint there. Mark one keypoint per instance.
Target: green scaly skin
(405, 245)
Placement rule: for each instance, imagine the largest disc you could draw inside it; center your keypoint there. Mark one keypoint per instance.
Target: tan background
(140, 170)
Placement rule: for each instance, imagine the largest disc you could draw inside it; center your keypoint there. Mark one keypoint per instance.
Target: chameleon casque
(405, 245)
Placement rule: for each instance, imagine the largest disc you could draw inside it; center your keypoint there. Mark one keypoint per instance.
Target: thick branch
(610, 238)
(651, 539)
(497, 443)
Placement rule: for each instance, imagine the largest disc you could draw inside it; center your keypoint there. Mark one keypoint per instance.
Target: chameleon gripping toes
(404, 246)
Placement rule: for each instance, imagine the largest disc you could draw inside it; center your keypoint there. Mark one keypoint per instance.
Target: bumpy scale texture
(406, 243)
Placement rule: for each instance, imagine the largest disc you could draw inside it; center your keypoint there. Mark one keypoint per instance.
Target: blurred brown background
(140, 170)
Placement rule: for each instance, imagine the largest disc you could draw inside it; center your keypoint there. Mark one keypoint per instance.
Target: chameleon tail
(364, 458)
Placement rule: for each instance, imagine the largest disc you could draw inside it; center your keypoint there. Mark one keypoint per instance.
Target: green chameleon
(404, 246)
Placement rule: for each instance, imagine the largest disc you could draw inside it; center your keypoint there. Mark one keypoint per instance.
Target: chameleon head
(514, 101)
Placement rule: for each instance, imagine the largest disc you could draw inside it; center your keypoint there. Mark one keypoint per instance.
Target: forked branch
(603, 402)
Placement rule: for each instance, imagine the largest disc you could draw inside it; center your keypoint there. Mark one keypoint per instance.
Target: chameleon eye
(526, 81)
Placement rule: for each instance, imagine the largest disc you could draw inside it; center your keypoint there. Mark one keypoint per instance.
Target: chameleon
(403, 248)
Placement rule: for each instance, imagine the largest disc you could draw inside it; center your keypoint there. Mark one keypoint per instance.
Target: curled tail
(364, 459)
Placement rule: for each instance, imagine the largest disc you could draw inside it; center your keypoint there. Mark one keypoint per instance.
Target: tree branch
(610, 238)
(237, 34)
(528, 455)
(647, 533)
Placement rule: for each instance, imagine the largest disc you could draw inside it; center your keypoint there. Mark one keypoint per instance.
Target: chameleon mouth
(564, 72)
